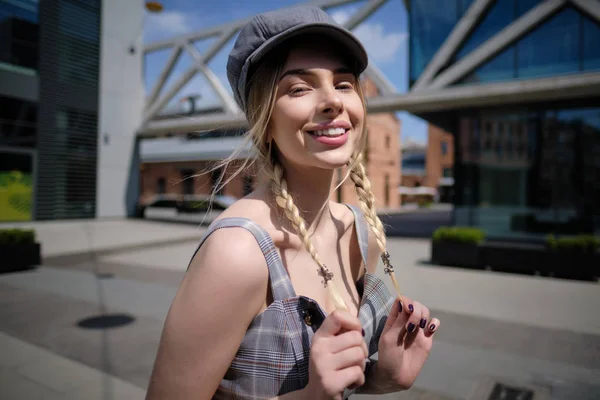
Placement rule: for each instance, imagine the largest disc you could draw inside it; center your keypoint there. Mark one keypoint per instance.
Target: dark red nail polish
(432, 327)
(411, 327)
(411, 308)
(400, 304)
(423, 323)
(363, 332)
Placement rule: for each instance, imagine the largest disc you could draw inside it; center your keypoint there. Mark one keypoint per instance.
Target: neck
(311, 190)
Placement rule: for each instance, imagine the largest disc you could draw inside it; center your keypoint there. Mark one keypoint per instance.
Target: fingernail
(411, 308)
(400, 303)
(432, 327)
(363, 332)
(423, 323)
(411, 327)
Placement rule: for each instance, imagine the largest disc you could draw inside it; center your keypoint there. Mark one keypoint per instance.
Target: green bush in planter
(459, 234)
(17, 236)
(579, 243)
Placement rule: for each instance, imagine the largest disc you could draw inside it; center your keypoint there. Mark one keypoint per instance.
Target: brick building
(429, 166)
(168, 163)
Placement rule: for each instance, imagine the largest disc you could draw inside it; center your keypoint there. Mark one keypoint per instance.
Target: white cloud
(168, 23)
(381, 46)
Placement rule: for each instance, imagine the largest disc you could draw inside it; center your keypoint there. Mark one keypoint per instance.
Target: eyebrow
(305, 72)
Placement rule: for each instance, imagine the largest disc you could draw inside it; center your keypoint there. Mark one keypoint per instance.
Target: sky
(384, 34)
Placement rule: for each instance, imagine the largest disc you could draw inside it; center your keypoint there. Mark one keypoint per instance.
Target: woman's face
(318, 116)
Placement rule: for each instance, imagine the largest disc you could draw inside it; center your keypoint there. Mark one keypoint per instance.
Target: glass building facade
(49, 72)
(523, 169)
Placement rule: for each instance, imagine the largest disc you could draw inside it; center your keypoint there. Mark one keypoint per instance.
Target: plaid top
(273, 357)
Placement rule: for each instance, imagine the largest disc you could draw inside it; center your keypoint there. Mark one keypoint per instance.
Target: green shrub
(17, 236)
(459, 234)
(581, 243)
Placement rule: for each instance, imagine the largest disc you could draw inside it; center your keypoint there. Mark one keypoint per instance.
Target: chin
(332, 161)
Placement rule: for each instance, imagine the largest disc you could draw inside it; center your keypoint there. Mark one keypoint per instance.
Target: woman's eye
(345, 87)
(297, 90)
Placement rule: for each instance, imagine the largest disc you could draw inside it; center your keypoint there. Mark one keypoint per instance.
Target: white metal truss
(431, 92)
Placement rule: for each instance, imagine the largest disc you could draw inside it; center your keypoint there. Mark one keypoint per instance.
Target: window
(18, 122)
(215, 178)
(591, 38)
(566, 43)
(387, 141)
(549, 175)
(20, 30)
(444, 148)
(495, 19)
(247, 185)
(552, 48)
(161, 186)
(447, 173)
(187, 175)
(431, 21)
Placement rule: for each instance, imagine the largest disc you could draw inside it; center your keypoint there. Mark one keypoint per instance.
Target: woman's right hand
(337, 357)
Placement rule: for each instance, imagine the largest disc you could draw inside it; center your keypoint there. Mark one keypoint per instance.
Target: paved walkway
(526, 331)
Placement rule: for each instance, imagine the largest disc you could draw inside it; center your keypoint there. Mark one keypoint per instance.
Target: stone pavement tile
(14, 355)
(105, 387)
(143, 299)
(528, 341)
(111, 270)
(14, 386)
(51, 376)
(50, 321)
(411, 394)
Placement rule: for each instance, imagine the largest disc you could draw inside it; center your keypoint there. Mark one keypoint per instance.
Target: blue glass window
(431, 21)
(498, 69)
(523, 6)
(591, 44)
(566, 43)
(551, 49)
(500, 15)
(464, 5)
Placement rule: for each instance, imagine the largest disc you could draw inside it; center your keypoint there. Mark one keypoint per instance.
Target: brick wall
(438, 140)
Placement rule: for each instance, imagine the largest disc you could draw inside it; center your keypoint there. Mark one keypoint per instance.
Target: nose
(331, 103)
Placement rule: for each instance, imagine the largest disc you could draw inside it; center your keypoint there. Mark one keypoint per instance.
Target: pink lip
(332, 141)
(334, 124)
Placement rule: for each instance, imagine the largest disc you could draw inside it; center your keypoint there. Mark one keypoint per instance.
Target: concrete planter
(530, 259)
(19, 257)
(455, 254)
(574, 265)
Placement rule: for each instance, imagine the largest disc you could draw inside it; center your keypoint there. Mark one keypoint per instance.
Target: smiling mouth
(332, 132)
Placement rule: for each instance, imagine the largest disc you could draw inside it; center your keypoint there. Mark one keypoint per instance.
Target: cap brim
(338, 33)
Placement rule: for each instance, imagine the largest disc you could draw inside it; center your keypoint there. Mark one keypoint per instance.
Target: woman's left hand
(404, 344)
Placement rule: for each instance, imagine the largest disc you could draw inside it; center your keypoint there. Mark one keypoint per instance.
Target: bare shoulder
(233, 257)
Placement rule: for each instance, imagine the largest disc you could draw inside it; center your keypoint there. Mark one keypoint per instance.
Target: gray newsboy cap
(266, 31)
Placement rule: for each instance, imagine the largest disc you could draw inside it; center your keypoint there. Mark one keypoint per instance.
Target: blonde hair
(261, 102)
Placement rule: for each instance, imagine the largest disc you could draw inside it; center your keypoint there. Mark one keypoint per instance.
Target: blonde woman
(280, 300)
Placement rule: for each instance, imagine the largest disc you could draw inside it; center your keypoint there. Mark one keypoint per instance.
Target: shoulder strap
(362, 232)
(281, 286)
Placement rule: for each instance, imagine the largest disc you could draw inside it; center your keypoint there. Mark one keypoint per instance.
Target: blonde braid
(366, 198)
(285, 201)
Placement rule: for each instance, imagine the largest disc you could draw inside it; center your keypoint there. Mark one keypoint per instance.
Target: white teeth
(330, 132)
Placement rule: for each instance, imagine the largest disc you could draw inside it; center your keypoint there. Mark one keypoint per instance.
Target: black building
(49, 73)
